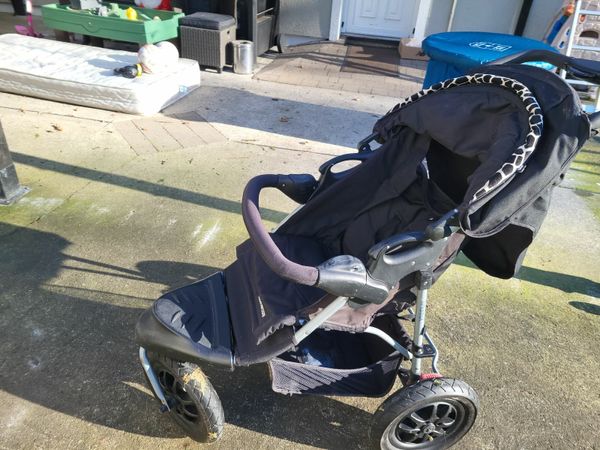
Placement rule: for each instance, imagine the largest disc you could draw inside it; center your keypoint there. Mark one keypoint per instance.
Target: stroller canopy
(494, 146)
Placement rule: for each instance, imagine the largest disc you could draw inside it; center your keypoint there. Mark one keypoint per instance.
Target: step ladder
(592, 103)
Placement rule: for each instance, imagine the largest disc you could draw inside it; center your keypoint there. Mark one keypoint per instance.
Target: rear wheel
(195, 405)
(432, 414)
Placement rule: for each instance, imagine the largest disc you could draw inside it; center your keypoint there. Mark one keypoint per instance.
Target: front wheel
(432, 414)
(195, 405)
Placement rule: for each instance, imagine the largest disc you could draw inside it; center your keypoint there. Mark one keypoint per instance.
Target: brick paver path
(320, 65)
(168, 133)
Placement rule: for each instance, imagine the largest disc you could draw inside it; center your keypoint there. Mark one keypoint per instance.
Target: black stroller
(465, 165)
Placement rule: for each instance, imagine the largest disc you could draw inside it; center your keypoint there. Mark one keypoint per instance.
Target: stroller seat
(192, 322)
(263, 305)
(195, 319)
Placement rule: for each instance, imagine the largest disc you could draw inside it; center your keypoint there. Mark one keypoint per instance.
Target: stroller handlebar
(265, 246)
(343, 276)
(583, 69)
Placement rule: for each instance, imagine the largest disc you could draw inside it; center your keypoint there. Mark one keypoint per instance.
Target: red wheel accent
(429, 376)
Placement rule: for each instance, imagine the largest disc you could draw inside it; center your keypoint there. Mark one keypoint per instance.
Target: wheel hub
(418, 428)
(429, 428)
(179, 400)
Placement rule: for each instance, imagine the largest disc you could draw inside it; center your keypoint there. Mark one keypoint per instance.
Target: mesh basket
(340, 363)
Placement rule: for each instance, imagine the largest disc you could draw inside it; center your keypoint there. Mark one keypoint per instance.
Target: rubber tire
(211, 416)
(417, 396)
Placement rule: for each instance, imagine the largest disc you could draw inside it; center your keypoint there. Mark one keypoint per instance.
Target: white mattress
(83, 75)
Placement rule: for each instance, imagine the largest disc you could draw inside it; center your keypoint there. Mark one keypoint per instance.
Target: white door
(380, 18)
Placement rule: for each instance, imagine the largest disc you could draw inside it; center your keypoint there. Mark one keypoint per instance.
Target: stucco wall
(475, 15)
(542, 12)
(305, 17)
(438, 16)
(495, 16)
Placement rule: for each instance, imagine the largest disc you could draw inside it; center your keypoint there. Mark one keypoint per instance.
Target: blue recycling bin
(453, 54)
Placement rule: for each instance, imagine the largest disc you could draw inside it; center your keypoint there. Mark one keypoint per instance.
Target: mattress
(83, 75)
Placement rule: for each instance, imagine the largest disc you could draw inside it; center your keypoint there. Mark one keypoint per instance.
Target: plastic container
(455, 53)
(243, 57)
(145, 30)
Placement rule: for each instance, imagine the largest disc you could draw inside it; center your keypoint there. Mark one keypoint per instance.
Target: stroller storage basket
(340, 363)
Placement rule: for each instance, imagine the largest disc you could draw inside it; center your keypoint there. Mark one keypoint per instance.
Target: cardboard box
(410, 48)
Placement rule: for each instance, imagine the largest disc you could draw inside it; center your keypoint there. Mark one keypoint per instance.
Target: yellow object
(131, 13)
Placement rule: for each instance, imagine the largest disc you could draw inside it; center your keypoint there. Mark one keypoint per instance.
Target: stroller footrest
(190, 324)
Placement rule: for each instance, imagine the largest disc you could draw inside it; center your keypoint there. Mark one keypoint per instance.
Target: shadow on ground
(586, 307)
(72, 351)
(571, 284)
(279, 117)
(157, 190)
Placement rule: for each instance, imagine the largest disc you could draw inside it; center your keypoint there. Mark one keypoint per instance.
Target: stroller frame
(418, 351)
(419, 262)
(428, 350)
(350, 284)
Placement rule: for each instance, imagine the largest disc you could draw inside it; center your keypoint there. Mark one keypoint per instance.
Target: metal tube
(10, 189)
(319, 319)
(419, 328)
(451, 18)
(571, 40)
(387, 338)
(153, 379)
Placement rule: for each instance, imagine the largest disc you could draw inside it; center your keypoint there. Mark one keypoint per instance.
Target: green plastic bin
(141, 31)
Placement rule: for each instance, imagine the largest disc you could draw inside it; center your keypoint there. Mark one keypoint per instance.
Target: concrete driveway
(106, 229)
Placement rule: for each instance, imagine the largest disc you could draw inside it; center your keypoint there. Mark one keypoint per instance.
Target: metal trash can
(243, 57)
